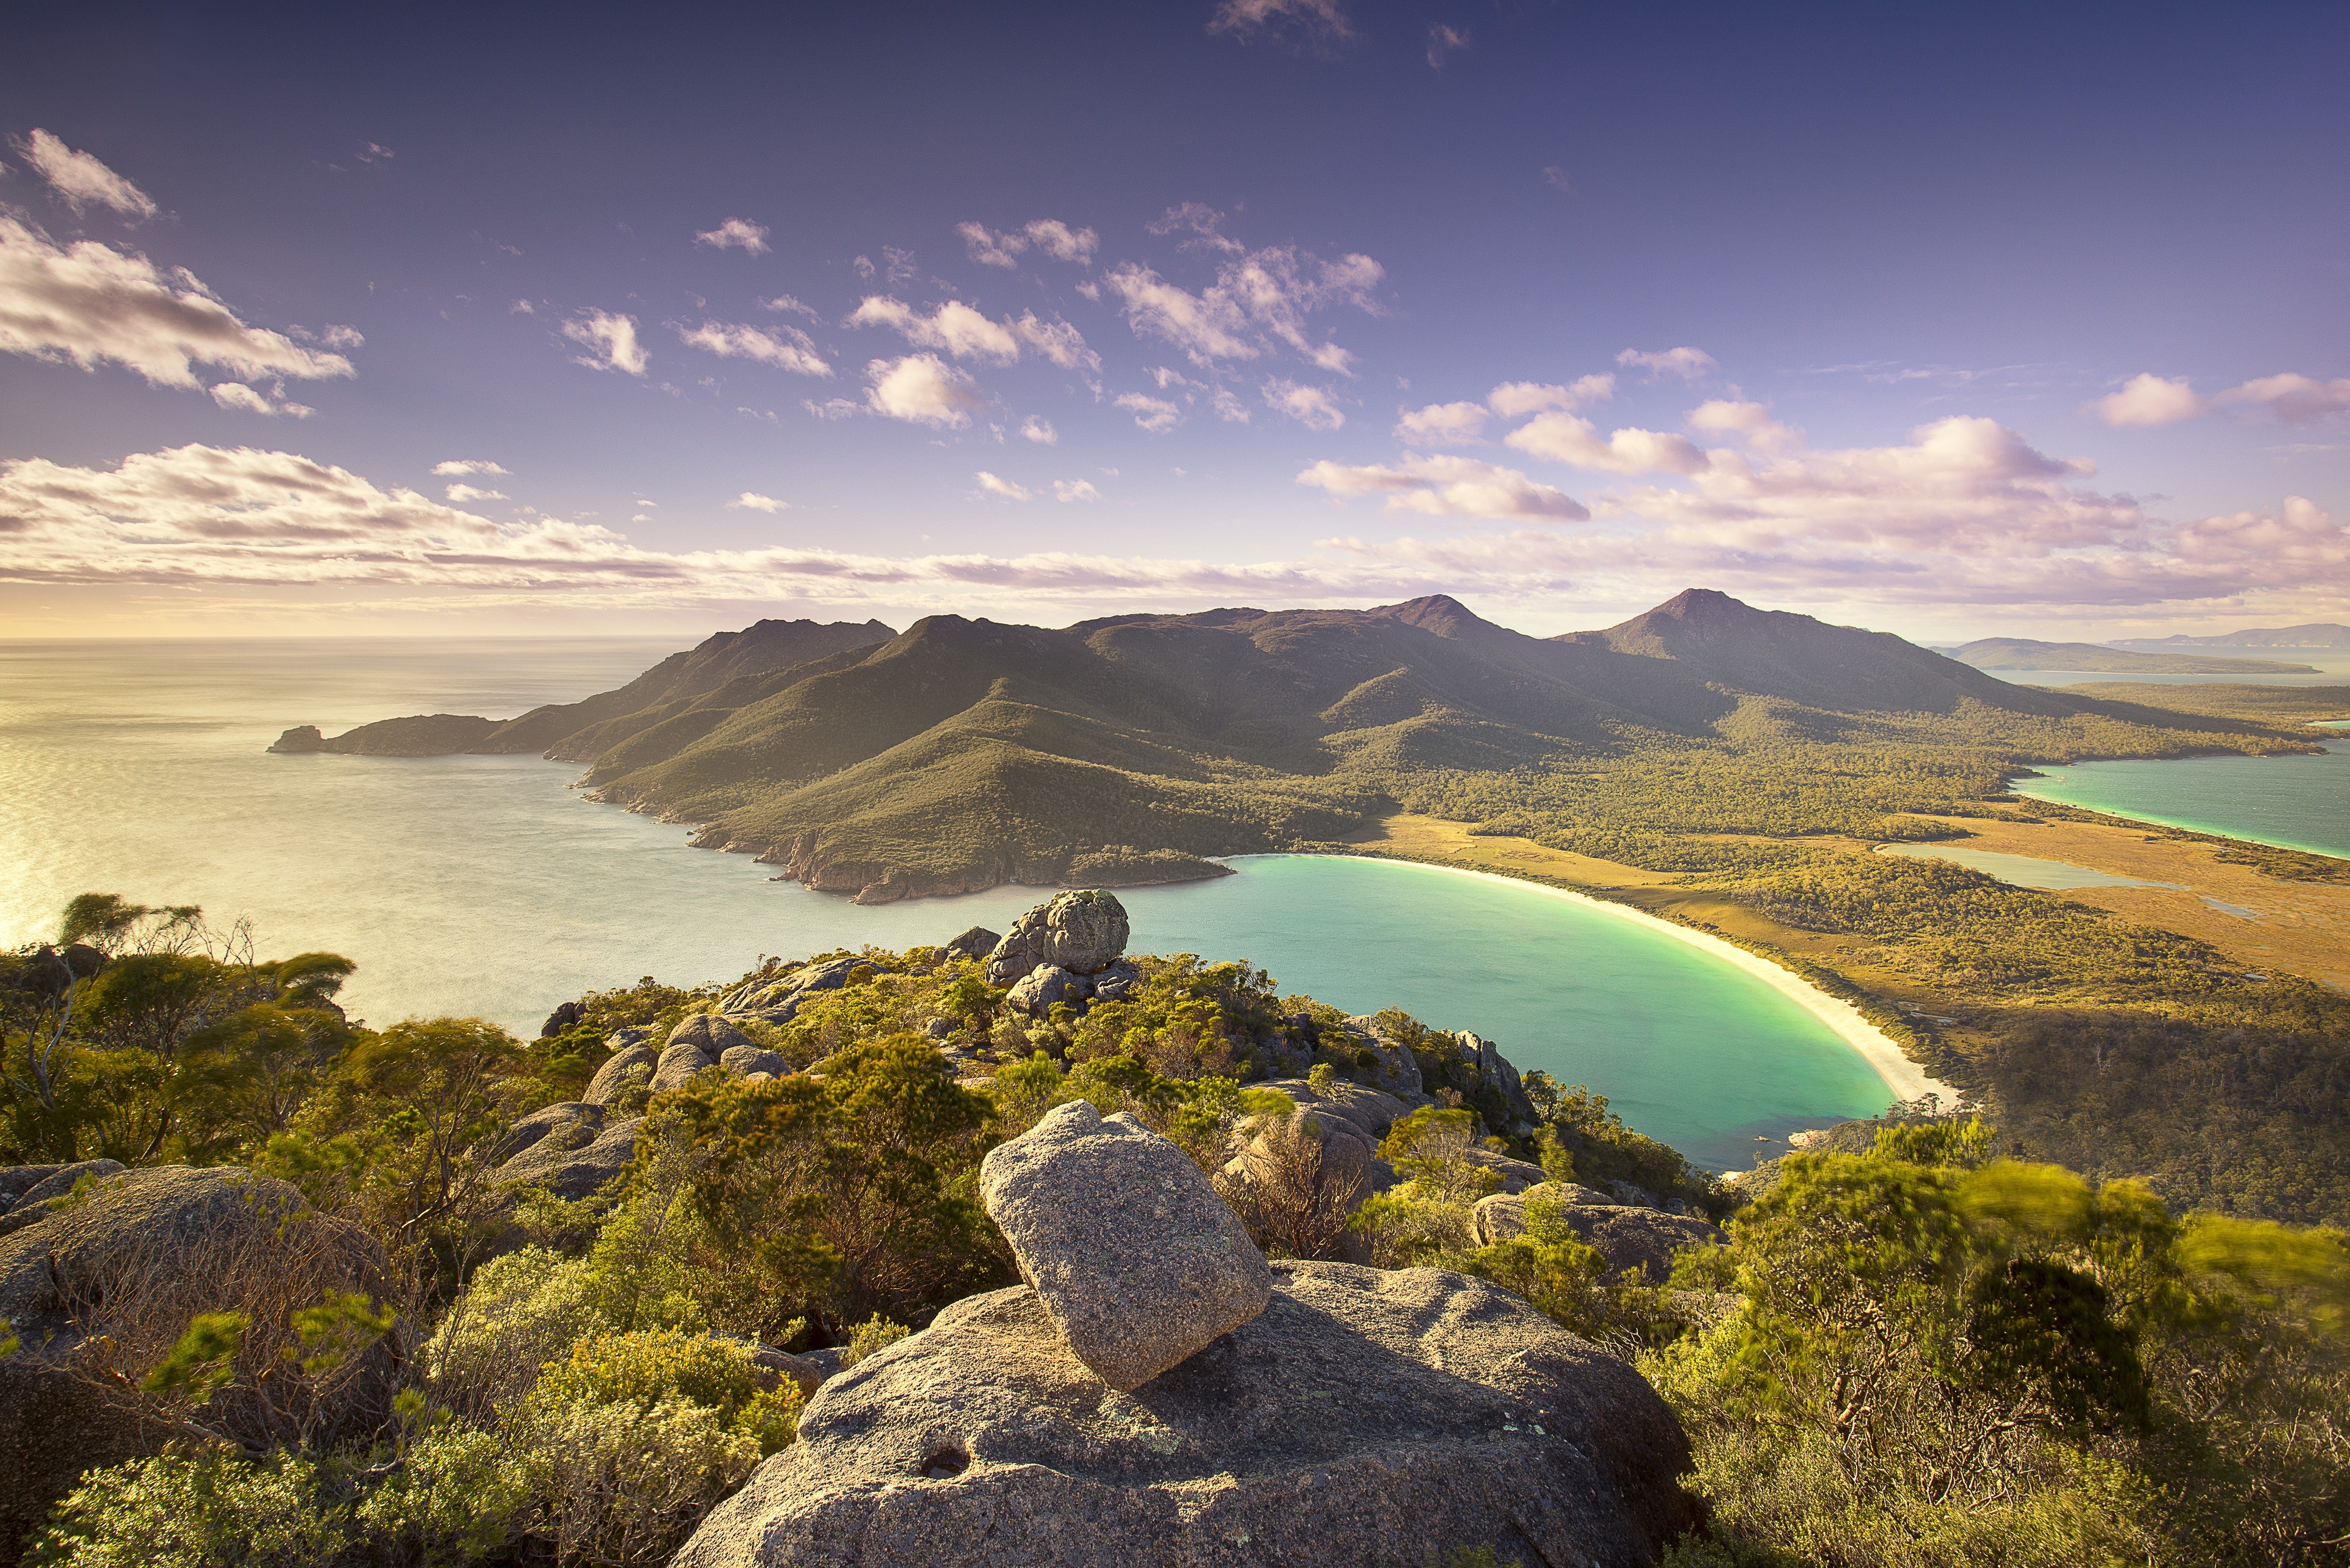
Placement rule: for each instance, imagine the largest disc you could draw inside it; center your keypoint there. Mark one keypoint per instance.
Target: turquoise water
(2020, 870)
(2299, 802)
(487, 885)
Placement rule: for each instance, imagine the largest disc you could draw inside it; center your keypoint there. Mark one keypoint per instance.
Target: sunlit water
(487, 885)
(2299, 801)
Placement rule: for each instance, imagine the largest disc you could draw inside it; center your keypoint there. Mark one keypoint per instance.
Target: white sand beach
(1903, 1077)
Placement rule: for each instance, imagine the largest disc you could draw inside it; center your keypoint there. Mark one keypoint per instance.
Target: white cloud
(1571, 438)
(457, 467)
(1062, 243)
(1442, 41)
(238, 395)
(1202, 222)
(1156, 415)
(376, 152)
(834, 407)
(1051, 236)
(464, 493)
(752, 501)
(1689, 364)
(343, 338)
(1965, 515)
(922, 388)
(1447, 486)
(785, 304)
(1075, 490)
(1746, 422)
(1039, 429)
(2148, 400)
(992, 250)
(1317, 23)
(784, 347)
(1309, 406)
(2293, 399)
(1513, 400)
(1441, 424)
(1259, 299)
(993, 486)
(966, 333)
(1229, 409)
(611, 339)
(90, 305)
(735, 235)
(81, 180)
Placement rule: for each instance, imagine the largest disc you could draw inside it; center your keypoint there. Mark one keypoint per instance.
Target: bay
(487, 885)
(2295, 802)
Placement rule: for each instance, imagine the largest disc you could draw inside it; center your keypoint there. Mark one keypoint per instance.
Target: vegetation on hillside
(1911, 1352)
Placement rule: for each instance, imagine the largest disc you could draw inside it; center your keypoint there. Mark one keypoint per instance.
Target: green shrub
(196, 1511)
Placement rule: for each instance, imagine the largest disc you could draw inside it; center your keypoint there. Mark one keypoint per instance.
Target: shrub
(196, 1511)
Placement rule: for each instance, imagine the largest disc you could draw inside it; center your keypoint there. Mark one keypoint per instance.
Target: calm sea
(488, 886)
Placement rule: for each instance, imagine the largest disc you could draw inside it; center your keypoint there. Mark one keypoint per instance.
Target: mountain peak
(1439, 613)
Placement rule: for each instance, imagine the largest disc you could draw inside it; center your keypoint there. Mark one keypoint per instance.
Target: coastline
(1905, 1079)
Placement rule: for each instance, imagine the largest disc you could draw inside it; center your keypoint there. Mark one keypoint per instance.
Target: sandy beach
(1904, 1079)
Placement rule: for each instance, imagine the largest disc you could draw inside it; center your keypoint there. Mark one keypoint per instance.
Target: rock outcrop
(1640, 1239)
(130, 1265)
(1082, 932)
(1365, 1417)
(1136, 1259)
(584, 1153)
(630, 1064)
(26, 1191)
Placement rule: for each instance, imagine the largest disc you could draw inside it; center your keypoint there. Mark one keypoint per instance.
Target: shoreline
(1905, 1079)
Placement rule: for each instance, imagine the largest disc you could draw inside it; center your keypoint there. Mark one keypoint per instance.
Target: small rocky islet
(1156, 1391)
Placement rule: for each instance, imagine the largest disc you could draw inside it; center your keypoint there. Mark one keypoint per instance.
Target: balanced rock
(1390, 1420)
(114, 1280)
(1135, 1258)
(1081, 933)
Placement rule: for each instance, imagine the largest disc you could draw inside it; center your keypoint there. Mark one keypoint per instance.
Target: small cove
(2292, 802)
(487, 885)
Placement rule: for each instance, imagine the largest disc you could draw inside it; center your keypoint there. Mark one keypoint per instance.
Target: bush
(196, 1511)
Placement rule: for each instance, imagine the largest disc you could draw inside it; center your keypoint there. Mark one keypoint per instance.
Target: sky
(1950, 321)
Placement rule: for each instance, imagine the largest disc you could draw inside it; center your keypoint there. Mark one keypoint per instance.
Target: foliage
(197, 1510)
(1942, 1357)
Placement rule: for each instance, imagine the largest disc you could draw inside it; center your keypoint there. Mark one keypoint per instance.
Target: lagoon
(488, 886)
(2295, 802)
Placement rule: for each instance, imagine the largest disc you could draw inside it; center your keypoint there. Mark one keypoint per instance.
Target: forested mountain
(962, 754)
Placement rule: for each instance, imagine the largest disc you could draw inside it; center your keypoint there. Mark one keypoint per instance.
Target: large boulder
(27, 1190)
(708, 1033)
(1117, 981)
(1082, 932)
(1638, 1239)
(1502, 1217)
(628, 1065)
(1373, 1111)
(571, 1124)
(111, 1283)
(1393, 1067)
(974, 943)
(1389, 1420)
(1135, 1257)
(678, 1064)
(1494, 1072)
(572, 1169)
(744, 1060)
(1039, 991)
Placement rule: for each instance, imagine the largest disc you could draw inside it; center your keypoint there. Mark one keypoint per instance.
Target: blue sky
(1988, 320)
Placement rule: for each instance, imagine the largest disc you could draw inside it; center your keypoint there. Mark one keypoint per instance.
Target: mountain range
(2321, 634)
(962, 754)
(2022, 653)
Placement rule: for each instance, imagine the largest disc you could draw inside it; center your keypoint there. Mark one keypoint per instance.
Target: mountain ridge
(964, 752)
(2025, 653)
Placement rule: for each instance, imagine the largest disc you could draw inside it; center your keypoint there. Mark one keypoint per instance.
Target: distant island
(2320, 634)
(2022, 653)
